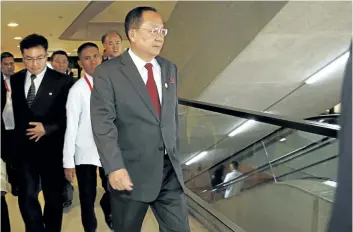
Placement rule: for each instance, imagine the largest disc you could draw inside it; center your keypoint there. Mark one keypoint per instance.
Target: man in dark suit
(134, 113)
(39, 97)
(341, 219)
(7, 120)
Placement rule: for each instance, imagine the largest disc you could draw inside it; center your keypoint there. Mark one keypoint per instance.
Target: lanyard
(88, 83)
(6, 86)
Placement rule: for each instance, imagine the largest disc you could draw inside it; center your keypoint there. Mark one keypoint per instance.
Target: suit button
(161, 148)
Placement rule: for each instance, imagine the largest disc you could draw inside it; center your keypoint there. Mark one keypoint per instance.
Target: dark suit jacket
(126, 128)
(4, 152)
(341, 219)
(49, 109)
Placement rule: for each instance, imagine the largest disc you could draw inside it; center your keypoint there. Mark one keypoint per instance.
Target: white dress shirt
(79, 145)
(234, 188)
(36, 81)
(7, 114)
(140, 65)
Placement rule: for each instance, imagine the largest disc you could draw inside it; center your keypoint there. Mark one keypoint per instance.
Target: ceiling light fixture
(196, 158)
(328, 69)
(17, 38)
(245, 126)
(12, 24)
(282, 139)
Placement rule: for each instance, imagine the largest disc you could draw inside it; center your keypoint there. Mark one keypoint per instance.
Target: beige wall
(19, 66)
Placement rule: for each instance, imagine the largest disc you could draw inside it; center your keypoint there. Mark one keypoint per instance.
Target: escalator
(266, 173)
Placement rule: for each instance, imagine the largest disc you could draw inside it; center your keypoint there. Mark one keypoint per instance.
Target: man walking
(134, 111)
(81, 157)
(39, 97)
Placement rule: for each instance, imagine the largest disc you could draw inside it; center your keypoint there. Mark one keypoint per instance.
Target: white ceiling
(269, 74)
(67, 24)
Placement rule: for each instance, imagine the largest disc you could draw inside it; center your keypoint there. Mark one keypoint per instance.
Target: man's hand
(70, 174)
(36, 132)
(120, 180)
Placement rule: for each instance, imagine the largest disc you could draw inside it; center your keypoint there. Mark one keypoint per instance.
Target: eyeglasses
(32, 59)
(156, 31)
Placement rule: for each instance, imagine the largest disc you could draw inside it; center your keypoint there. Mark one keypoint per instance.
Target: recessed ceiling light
(12, 24)
(282, 139)
(18, 38)
(18, 46)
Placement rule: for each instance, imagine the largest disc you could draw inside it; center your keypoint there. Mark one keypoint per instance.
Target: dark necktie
(31, 92)
(152, 89)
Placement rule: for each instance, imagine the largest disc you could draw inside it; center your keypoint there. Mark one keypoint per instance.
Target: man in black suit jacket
(7, 125)
(39, 97)
(7, 70)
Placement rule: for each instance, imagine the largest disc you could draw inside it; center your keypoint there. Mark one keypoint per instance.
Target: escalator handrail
(323, 116)
(283, 159)
(251, 145)
(292, 172)
(282, 121)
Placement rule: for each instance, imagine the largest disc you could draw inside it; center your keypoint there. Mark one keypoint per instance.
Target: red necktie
(152, 89)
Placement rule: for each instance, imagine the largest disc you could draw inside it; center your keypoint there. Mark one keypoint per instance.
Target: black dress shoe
(67, 204)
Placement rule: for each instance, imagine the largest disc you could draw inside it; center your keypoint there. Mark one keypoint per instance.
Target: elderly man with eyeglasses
(134, 115)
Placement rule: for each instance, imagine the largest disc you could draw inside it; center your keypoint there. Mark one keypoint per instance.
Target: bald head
(112, 44)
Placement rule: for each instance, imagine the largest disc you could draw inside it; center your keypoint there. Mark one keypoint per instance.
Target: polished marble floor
(72, 219)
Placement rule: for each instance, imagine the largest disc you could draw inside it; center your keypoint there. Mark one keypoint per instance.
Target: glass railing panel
(208, 138)
(320, 163)
(257, 165)
(201, 129)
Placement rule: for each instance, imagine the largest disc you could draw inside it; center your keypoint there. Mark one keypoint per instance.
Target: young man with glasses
(39, 97)
(134, 111)
(81, 157)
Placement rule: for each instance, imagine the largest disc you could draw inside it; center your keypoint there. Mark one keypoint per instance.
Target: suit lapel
(46, 84)
(165, 84)
(22, 83)
(133, 75)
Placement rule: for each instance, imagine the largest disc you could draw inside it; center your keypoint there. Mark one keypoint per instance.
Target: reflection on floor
(72, 218)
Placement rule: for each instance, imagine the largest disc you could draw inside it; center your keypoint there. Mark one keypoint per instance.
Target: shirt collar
(140, 64)
(4, 76)
(89, 76)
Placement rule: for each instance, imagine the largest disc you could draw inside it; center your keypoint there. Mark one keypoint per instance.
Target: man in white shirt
(81, 157)
(234, 173)
(7, 118)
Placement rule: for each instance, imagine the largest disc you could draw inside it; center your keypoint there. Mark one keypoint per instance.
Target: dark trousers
(12, 174)
(87, 185)
(170, 207)
(5, 219)
(51, 178)
(8, 155)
